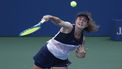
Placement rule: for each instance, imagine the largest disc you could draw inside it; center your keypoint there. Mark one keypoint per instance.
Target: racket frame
(37, 25)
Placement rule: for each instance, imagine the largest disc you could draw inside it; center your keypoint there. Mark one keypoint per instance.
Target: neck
(77, 33)
(77, 30)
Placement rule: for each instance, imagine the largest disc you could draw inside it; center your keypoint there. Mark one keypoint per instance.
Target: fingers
(81, 55)
(46, 17)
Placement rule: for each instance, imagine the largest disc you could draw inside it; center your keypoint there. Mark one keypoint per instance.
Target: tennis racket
(32, 29)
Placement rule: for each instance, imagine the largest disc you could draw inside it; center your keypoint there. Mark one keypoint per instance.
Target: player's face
(81, 22)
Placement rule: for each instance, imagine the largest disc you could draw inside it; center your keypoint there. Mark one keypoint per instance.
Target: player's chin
(80, 27)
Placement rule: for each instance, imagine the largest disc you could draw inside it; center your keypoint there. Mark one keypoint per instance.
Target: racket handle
(41, 22)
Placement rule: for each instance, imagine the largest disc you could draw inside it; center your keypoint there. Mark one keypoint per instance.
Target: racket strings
(29, 31)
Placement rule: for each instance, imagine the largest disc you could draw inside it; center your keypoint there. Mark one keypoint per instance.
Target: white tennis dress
(62, 44)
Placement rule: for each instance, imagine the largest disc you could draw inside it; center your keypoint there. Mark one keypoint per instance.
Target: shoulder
(68, 26)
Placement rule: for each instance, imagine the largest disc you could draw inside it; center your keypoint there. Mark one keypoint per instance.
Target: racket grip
(42, 21)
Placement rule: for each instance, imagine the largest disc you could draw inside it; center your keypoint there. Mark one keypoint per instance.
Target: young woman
(70, 37)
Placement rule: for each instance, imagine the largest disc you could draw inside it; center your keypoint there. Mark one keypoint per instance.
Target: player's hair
(91, 23)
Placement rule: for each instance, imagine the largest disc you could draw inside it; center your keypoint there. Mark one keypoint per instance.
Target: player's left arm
(81, 50)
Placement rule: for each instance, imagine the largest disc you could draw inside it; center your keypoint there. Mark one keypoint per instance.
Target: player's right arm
(66, 26)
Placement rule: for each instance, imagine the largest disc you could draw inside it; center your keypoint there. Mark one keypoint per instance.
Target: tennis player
(54, 54)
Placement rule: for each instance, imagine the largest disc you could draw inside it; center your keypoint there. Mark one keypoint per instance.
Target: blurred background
(105, 45)
(17, 15)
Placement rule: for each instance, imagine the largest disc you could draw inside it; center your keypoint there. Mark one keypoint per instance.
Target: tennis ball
(73, 3)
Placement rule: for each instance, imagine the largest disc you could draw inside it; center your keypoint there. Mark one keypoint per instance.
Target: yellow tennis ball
(73, 3)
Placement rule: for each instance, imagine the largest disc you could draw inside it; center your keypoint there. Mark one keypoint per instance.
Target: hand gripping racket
(32, 29)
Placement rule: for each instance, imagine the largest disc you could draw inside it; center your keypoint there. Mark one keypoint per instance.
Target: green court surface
(102, 53)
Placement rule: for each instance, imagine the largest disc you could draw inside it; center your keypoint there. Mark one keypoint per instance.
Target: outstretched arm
(57, 20)
(66, 26)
